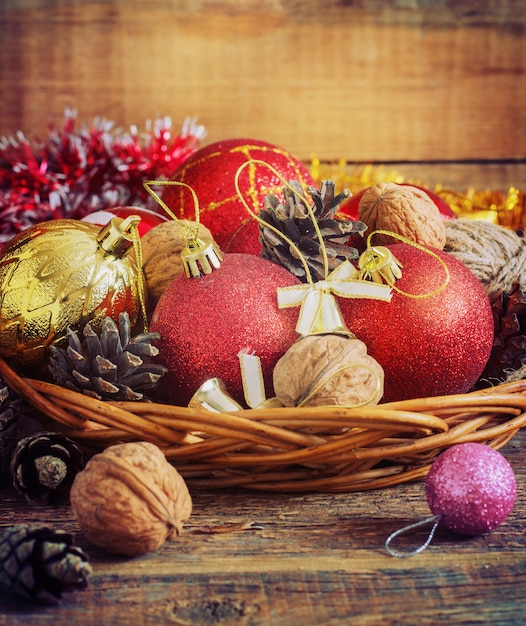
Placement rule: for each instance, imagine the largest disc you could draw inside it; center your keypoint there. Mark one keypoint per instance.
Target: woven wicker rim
(288, 449)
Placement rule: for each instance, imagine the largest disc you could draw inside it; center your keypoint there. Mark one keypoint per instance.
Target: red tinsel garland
(81, 170)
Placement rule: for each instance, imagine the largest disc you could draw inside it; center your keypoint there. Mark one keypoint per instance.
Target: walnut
(320, 370)
(161, 254)
(404, 210)
(129, 499)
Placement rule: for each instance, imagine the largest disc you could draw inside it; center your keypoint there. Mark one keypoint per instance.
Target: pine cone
(114, 366)
(292, 218)
(508, 354)
(43, 467)
(11, 427)
(39, 563)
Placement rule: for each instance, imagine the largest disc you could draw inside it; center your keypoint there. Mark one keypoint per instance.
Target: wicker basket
(287, 449)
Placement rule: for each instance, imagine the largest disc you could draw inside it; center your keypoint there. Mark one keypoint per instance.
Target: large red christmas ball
(430, 346)
(205, 322)
(349, 208)
(211, 173)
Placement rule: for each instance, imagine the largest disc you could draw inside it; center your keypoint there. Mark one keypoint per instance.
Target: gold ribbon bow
(320, 312)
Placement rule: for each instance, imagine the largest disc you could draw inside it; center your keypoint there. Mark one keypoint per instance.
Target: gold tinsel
(506, 208)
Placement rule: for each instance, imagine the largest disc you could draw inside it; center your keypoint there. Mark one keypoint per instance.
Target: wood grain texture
(375, 80)
(307, 559)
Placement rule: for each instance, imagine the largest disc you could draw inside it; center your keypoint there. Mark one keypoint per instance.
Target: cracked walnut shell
(323, 370)
(404, 210)
(129, 499)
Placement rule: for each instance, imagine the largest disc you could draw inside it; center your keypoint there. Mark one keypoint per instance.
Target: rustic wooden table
(277, 559)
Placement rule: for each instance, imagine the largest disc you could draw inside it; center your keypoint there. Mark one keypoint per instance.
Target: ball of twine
(495, 254)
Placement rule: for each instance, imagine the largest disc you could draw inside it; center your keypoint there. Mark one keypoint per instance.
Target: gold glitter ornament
(64, 273)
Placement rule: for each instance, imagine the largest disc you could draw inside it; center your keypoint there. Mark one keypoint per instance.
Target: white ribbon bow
(319, 309)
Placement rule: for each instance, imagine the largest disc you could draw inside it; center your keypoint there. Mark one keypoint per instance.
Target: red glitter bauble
(205, 322)
(472, 487)
(211, 173)
(245, 239)
(349, 208)
(430, 346)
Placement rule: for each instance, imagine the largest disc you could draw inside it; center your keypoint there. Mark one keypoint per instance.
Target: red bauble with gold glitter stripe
(211, 173)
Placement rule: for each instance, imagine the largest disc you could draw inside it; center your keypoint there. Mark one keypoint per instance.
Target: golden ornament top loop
(115, 237)
(167, 183)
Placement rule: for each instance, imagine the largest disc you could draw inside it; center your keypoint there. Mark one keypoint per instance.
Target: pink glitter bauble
(430, 346)
(205, 322)
(472, 488)
(211, 172)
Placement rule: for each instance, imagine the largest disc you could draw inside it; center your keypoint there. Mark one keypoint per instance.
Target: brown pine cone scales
(39, 563)
(43, 467)
(112, 366)
(11, 428)
(292, 218)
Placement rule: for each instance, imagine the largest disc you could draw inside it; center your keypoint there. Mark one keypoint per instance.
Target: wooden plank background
(369, 80)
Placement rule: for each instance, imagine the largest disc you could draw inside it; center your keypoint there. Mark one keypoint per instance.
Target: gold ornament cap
(379, 264)
(116, 236)
(200, 257)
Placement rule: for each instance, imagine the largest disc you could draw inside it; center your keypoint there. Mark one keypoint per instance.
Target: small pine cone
(292, 218)
(11, 428)
(39, 563)
(43, 467)
(508, 353)
(112, 366)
